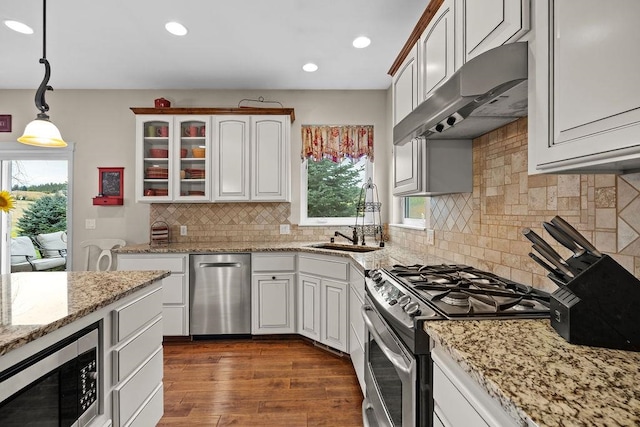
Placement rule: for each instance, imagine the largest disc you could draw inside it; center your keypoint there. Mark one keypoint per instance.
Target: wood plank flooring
(245, 382)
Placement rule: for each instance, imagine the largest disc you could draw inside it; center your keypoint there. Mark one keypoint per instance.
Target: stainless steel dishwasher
(220, 294)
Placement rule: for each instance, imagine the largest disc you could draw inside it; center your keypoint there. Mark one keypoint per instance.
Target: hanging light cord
(44, 86)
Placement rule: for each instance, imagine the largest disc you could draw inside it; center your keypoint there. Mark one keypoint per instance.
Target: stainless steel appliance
(398, 366)
(220, 294)
(55, 387)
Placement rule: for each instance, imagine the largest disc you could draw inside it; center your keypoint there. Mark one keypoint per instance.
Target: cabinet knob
(273, 278)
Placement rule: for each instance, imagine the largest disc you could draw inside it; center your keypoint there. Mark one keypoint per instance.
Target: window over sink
(337, 162)
(330, 190)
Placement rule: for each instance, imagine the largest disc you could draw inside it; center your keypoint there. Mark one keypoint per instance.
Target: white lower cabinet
(459, 401)
(323, 295)
(272, 293)
(175, 288)
(136, 361)
(356, 323)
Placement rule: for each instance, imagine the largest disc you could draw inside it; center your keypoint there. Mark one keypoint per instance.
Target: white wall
(102, 125)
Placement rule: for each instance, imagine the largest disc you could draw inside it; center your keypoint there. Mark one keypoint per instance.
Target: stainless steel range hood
(488, 92)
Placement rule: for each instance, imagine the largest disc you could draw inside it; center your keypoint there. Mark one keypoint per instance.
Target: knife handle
(557, 275)
(563, 239)
(537, 240)
(575, 235)
(549, 257)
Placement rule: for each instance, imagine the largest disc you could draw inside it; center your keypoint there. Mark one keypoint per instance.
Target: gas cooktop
(460, 291)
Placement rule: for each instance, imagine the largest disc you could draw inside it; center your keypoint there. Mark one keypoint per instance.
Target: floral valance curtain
(337, 143)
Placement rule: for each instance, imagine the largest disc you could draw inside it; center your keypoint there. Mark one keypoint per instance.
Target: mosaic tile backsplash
(483, 228)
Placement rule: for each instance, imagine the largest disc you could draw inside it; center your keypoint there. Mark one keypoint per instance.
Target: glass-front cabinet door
(154, 147)
(192, 138)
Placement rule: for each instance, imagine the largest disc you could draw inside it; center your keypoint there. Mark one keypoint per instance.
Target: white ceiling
(231, 44)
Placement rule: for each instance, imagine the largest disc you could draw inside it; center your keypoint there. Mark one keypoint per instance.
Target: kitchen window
(331, 190)
(337, 162)
(414, 211)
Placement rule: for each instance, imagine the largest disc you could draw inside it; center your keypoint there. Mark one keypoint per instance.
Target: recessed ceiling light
(361, 42)
(176, 28)
(19, 27)
(310, 67)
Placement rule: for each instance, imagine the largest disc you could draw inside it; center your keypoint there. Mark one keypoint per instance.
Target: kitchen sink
(345, 248)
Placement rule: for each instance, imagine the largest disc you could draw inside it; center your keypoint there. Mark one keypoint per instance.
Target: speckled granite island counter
(49, 318)
(35, 304)
(539, 378)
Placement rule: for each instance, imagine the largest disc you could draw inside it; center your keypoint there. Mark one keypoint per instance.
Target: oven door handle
(396, 359)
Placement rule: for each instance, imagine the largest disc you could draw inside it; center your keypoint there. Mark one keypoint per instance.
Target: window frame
(320, 221)
(414, 222)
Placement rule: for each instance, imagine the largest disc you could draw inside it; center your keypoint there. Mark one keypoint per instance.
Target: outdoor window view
(39, 219)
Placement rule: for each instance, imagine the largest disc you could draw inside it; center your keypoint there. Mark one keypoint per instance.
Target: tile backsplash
(235, 222)
(483, 228)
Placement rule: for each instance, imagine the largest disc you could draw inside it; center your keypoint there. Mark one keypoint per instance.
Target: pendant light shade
(41, 132)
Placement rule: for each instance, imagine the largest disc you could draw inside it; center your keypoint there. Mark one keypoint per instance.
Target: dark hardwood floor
(245, 382)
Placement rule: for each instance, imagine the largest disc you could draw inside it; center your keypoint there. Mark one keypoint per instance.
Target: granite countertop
(35, 304)
(382, 257)
(538, 377)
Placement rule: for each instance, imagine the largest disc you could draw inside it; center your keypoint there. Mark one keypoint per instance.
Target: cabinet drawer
(174, 289)
(324, 267)
(131, 317)
(177, 264)
(129, 356)
(273, 262)
(151, 412)
(174, 321)
(129, 396)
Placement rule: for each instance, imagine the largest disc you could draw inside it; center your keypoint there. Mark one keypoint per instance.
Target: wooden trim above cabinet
(424, 20)
(208, 111)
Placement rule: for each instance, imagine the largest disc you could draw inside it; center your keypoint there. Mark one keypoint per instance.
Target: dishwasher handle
(219, 264)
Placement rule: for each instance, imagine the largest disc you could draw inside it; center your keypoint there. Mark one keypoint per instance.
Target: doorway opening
(36, 234)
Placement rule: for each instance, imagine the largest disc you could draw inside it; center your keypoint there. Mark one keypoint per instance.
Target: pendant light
(41, 132)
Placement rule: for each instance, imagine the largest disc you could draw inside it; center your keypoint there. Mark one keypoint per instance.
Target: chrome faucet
(353, 239)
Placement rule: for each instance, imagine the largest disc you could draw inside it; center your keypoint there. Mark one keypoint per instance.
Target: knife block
(599, 307)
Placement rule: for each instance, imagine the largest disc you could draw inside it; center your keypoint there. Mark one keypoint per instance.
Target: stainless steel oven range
(398, 366)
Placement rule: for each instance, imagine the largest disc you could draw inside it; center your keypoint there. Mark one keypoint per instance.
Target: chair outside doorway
(98, 255)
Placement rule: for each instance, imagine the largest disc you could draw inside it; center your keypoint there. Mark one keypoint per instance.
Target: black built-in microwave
(57, 386)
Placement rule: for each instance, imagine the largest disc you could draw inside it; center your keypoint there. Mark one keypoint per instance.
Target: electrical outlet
(183, 230)
(430, 236)
(285, 229)
(90, 224)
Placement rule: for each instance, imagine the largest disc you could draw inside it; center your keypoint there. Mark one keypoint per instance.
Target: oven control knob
(376, 276)
(404, 300)
(412, 309)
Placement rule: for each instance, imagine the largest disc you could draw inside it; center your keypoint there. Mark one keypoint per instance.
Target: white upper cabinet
(213, 156)
(231, 156)
(405, 87)
(252, 156)
(192, 137)
(437, 50)
(584, 110)
(492, 23)
(155, 149)
(270, 158)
